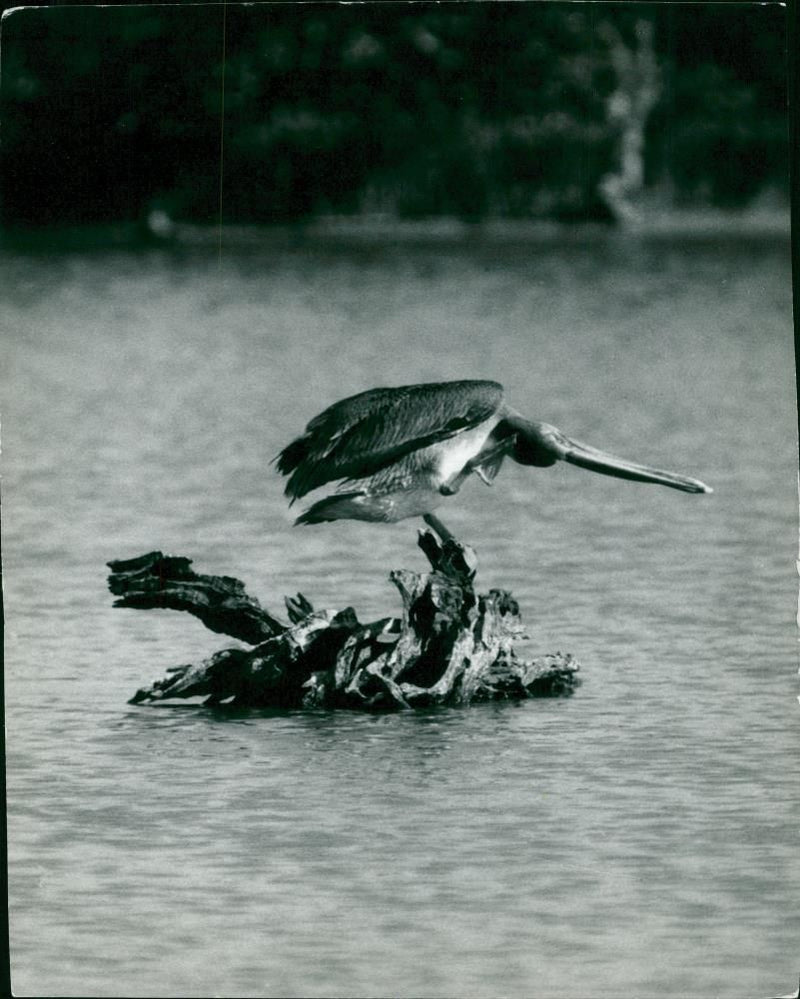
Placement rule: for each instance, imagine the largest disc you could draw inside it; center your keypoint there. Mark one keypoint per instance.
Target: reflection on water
(632, 840)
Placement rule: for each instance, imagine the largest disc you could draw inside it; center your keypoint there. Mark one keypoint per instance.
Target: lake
(637, 839)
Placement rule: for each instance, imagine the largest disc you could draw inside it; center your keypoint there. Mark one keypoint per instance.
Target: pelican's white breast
(450, 456)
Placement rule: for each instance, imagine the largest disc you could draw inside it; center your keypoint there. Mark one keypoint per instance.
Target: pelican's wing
(359, 436)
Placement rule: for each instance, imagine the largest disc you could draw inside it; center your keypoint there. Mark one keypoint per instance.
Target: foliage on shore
(264, 113)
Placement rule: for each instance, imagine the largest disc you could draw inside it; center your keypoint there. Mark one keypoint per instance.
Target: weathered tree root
(451, 646)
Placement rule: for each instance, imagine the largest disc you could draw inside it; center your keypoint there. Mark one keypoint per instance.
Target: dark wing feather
(361, 435)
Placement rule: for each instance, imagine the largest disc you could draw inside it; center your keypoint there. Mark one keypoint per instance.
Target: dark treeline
(473, 110)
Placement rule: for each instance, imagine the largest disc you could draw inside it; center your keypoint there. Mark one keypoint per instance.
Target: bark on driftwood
(451, 645)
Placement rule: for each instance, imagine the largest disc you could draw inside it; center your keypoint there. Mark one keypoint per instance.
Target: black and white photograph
(399, 500)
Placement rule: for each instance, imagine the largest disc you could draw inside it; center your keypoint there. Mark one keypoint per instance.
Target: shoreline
(754, 223)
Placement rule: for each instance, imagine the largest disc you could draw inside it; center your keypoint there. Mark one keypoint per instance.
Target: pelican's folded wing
(364, 433)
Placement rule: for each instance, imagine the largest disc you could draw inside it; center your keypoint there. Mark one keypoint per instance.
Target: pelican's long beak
(598, 461)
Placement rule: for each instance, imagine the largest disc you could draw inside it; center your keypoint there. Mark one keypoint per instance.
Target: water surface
(637, 839)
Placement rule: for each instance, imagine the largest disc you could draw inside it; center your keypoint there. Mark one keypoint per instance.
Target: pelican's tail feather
(290, 461)
(291, 456)
(340, 506)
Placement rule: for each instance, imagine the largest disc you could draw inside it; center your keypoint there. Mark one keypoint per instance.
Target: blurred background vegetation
(279, 112)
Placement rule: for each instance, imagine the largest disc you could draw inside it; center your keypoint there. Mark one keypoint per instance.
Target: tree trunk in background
(629, 105)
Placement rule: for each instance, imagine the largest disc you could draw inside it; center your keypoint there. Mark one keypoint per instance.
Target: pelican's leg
(488, 462)
(485, 465)
(438, 526)
(490, 453)
(451, 488)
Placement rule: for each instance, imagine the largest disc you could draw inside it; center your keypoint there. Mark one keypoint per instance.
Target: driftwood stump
(451, 645)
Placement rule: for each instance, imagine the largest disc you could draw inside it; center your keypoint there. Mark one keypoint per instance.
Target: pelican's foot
(446, 554)
(438, 526)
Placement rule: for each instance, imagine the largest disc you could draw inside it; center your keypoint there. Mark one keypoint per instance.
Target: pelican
(400, 452)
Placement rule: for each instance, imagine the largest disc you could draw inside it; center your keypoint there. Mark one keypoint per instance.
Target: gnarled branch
(450, 646)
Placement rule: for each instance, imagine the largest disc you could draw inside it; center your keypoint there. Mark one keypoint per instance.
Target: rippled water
(638, 839)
